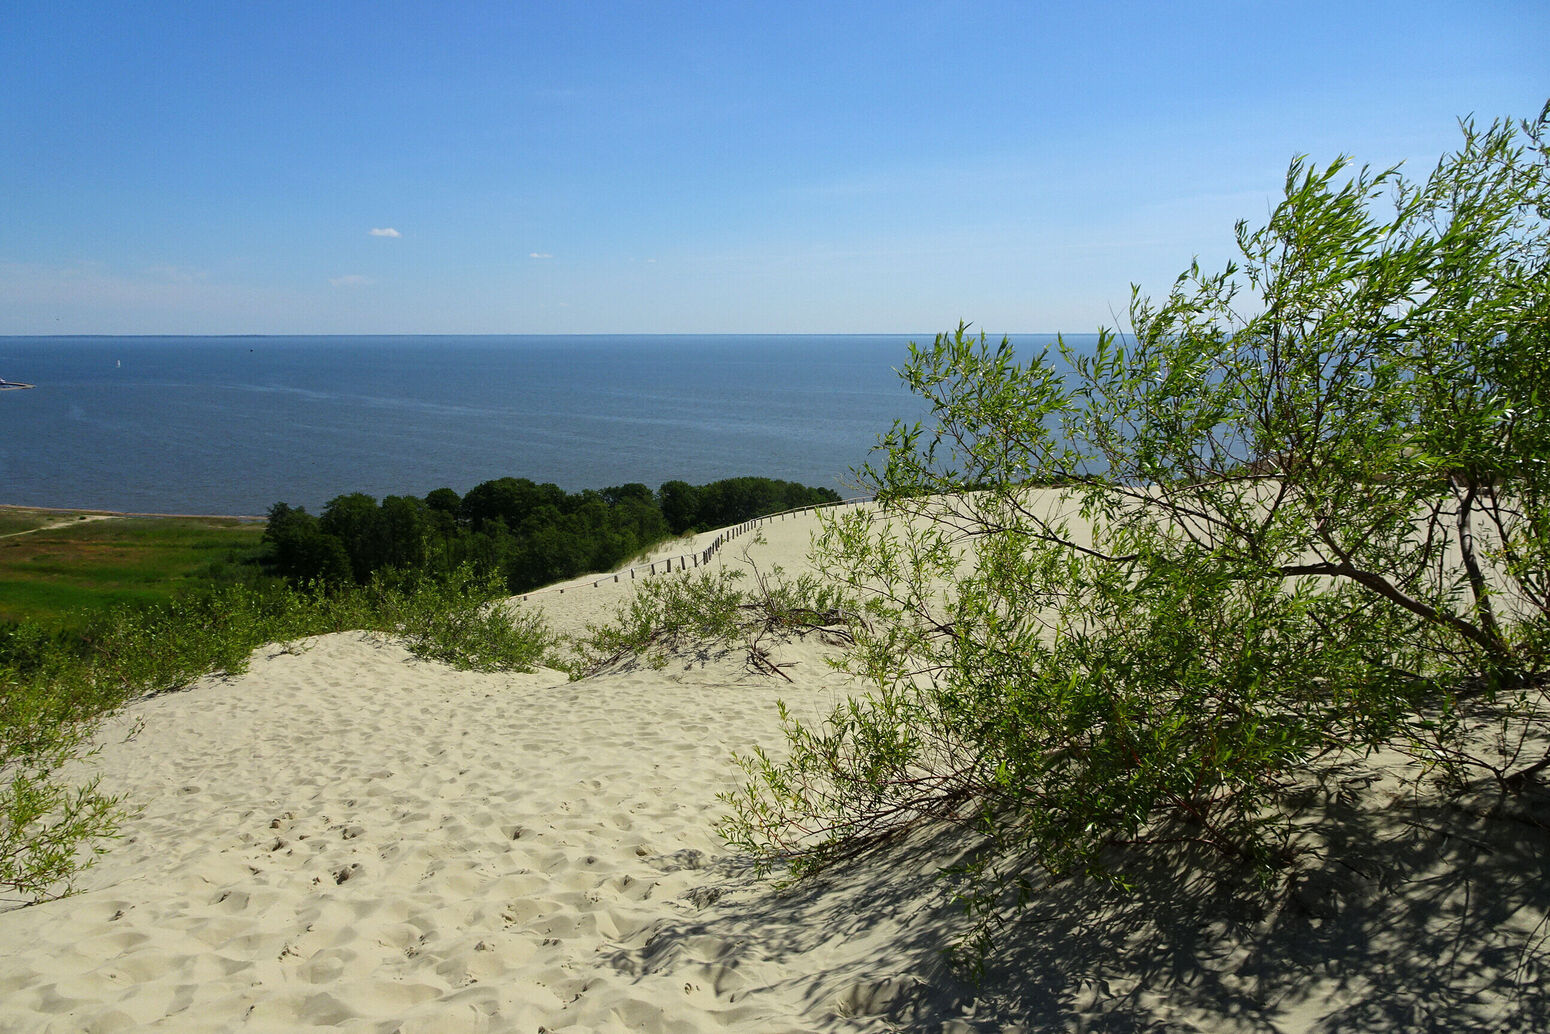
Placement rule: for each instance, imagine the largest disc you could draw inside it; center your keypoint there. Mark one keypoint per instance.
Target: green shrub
(660, 616)
(708, 609)
(461, 621)
(1320, 522)
(46, 816)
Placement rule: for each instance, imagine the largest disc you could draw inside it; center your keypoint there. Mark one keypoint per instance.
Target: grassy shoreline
(67, 511)
(58, 567)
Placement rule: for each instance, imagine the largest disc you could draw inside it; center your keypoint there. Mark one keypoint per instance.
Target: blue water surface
(234, 424)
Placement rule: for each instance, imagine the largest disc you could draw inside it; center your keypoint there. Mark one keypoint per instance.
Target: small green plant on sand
(1304, 512)
(660, 616)
(708, 608)
(46, 817)
(463, 622)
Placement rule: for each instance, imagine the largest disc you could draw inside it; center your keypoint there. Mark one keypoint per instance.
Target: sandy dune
(349, 838)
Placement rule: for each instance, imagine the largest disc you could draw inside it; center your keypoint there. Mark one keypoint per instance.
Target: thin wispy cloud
(350, 280)
(384, 231)
(539, 255)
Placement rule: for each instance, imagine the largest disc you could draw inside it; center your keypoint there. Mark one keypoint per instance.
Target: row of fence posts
(701, 558)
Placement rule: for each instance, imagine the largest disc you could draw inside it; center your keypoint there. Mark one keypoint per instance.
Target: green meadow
(59, 568)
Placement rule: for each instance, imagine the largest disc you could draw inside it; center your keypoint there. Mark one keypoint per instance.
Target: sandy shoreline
(348, 837)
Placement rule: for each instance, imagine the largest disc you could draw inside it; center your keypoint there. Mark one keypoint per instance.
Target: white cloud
(539, 255)
(350, 280)
(384, 231)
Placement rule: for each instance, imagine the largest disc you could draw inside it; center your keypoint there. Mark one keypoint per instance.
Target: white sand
(346, 837)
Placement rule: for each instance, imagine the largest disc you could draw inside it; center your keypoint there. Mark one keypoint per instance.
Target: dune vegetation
(1306, 517)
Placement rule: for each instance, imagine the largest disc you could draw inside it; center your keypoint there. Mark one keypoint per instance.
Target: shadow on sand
(1405, 915)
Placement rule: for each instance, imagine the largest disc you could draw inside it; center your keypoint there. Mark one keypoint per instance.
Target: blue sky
(590, 167)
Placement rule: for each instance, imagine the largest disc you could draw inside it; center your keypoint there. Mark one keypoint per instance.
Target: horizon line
(578, 334)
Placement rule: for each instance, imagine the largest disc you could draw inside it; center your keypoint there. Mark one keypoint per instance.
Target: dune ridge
(348, 837)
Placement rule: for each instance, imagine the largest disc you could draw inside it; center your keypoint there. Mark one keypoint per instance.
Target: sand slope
(346, 837)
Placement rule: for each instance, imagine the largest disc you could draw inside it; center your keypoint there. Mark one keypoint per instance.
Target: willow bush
(1301, 511)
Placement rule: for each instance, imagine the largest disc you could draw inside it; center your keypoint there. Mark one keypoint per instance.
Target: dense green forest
(528, 534)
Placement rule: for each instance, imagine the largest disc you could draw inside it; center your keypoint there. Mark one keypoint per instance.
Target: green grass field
(58, 568)
(15, 521)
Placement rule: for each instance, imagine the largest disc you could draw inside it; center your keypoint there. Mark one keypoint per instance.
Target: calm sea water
(232, 425)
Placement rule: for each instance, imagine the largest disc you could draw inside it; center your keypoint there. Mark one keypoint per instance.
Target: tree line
(527, 534)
